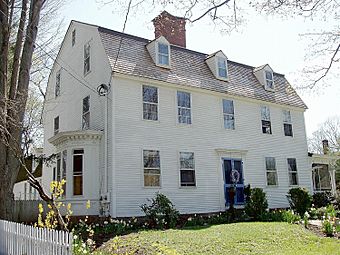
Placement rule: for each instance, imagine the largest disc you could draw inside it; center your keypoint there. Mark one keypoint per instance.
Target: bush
(327, 228)
(161, 212)
(322, 199)
(299, 200)
(290, 217)
(257, 204)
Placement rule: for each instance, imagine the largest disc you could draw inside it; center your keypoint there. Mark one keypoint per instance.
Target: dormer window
(269, 79)
(222, 67)
(160, 52)
(163, 54)
(265, 76)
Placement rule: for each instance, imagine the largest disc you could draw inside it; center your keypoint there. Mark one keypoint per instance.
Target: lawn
(238, 238)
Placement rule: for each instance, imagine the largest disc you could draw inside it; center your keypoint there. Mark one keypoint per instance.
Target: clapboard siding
(68, 106)
(203, 137)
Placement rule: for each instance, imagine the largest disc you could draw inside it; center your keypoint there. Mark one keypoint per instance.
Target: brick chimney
(171, 27)
(325, 146)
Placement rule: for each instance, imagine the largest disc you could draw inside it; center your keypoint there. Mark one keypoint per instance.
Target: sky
(260, 40)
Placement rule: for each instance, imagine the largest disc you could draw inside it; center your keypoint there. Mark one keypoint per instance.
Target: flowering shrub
(51, 221)
(161, 212)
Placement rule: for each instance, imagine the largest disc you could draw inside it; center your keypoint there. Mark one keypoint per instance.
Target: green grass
(239, 238)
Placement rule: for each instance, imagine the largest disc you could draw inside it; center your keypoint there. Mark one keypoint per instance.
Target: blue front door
(233, 176)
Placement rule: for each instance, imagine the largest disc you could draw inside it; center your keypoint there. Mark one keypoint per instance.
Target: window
(269, 79)
(187, 169)
(222, 67)
(292, 171)
(228, 114)
(152, 168)
(86, 113)
(57, 84)
(321, 177)
(287, 123)
(150, 103)
(56, 125)
(63, 173)
(163, 54)
(73, 37)
(184, 107)
(271, 171)
(78, 172)
(87, 58)
(265, 120)
(58, 175)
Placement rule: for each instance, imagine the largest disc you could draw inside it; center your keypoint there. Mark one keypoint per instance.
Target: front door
(233, 176)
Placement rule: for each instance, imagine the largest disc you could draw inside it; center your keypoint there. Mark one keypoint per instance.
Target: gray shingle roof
(188, 68)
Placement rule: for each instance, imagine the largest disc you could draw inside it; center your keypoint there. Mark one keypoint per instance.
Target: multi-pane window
(152, 168)
(184, 107)
(63, 172)
(265, 120)
(222, 67)
(187, 169)
(287, 123)
(150, 103)
(87, 58)
(269, 79)
(228, 114)
(73, 37)
(321, 177)
(78, 166)
(57, 84)
(271, 171)
(56, 125)
(292, 171)
(86, 113)
(163, 54)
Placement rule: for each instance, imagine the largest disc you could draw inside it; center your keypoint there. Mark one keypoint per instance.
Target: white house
(130, 117)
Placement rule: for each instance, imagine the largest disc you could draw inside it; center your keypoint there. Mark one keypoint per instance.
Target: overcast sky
(262, 40)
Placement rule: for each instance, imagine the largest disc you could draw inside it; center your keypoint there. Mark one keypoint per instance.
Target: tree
(329, 130)
(19, 23)
(322, 55)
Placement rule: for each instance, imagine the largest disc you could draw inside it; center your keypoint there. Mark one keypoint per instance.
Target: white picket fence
(20, 239)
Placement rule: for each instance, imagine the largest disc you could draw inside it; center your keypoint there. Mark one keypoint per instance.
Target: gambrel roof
(188, 68)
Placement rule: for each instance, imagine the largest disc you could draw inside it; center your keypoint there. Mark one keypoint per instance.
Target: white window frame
(84, 125)
(187, 169)
(181, 107)
(218, 59)
(271, 171)
(158, 54)
(57, 83)
(87, 58)
(266, 80)
(287, 122)
(150, 103)
(228, 114)
(263, 118)
(152, 168)
(290, 172)
(76, 174)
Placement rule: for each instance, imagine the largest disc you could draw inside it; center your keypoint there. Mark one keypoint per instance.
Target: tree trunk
(11, 115)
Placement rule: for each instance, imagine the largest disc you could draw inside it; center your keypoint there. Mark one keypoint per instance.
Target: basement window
(163, 54)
